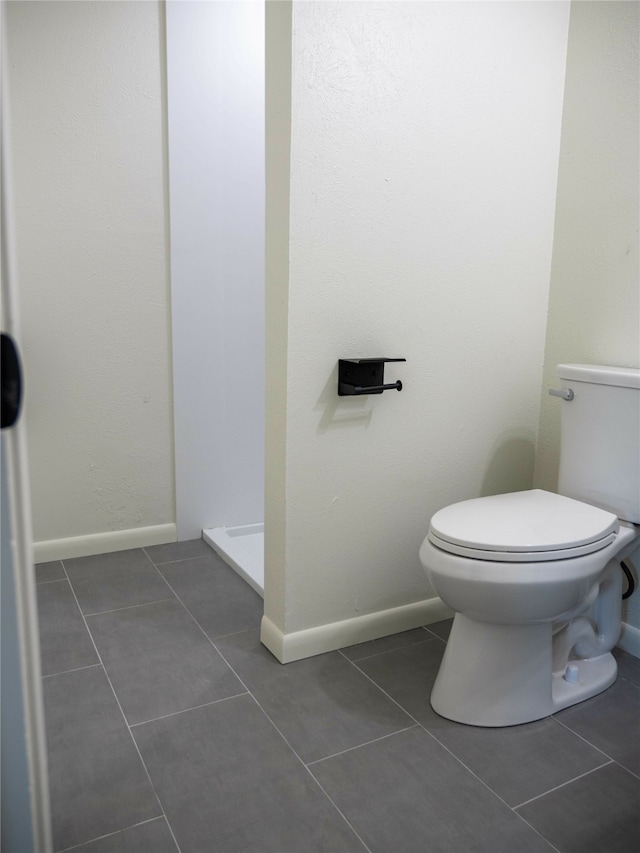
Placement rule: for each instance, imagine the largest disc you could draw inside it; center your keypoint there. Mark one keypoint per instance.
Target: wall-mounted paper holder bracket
(364, 376)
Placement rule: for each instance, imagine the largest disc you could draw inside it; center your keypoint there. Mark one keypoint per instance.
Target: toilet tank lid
(599, 374)
(528, 521)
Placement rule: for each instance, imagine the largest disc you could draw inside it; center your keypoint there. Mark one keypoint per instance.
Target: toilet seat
(522, 527)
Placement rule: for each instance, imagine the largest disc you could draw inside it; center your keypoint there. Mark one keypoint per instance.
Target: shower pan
(242, 548)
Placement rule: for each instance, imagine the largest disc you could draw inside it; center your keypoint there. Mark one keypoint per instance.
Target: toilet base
(501, 675)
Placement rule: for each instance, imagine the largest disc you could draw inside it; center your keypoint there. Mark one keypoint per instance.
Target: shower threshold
(243, 549)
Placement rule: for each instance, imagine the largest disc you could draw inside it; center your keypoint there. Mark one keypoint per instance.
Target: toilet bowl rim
(531, 521)
(586, 567)
(533, 556)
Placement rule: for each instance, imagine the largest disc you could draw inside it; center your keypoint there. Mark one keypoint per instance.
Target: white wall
(91, 232)
(422, 178)
(594, 306)
(215, 67)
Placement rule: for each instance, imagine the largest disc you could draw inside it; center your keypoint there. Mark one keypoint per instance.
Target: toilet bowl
(534, 577)
(499, 667)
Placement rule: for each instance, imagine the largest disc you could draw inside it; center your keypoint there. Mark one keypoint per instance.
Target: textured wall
(424, 151)
(92, 263)
(594, 305)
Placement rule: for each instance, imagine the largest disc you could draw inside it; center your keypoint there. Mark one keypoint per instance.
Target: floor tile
(151, 837)
(596, 813)
(628, 666)
(233, 782)
(407, 675)
(110, 581)
(65, 642)
(384, 644)
(46, 572)
(537, 749)
(228, 782)
(441, 629)
(407, 793)
(98, 782)
(252, 661)
(159, 661)
(322, 705)
(178, 551)
(519, 762)
(610, 722)
(217, 597)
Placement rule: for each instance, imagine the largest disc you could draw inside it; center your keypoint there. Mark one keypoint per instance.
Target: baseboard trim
(103, 543)
(630, 640)
(360, 629)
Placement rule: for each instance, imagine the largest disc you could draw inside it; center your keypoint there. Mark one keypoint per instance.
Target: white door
(24, 789)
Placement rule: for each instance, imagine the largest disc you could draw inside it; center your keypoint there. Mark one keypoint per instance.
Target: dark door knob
(11, 382)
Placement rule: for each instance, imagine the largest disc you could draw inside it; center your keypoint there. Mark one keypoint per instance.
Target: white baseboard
(630, 640)
(348, 632)
(103, 543)
(336, 635)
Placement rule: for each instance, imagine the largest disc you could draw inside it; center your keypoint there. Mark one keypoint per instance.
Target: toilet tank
(600, 438)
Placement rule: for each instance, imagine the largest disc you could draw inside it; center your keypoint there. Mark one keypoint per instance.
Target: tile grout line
(578, 735)
(537, 832)
(181, 559)
(388, 651)
(333, 803)
(133, 740)
(230, 634)
(564, 784)
(111, 834)
(75, 669)
(359, 745)
(127, 607)
(186, 710)
(593, 746)
(433, 633)
(368, 677)
(201, 629)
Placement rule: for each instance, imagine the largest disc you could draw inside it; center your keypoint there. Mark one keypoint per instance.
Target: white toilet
(534, 578)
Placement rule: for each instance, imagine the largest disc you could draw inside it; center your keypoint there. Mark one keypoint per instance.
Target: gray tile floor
(171, 728)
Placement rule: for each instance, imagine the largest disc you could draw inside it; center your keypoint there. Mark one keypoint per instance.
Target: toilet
(534, 577)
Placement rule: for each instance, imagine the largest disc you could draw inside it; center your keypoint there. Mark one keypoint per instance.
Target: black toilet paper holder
(364, 376)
